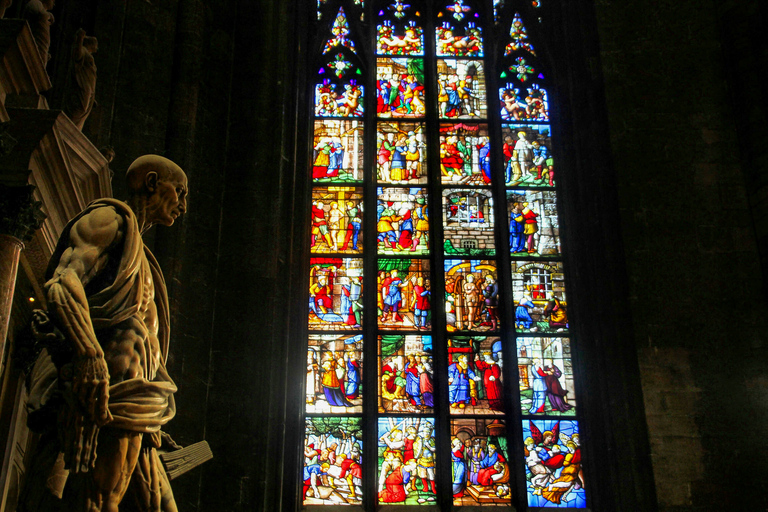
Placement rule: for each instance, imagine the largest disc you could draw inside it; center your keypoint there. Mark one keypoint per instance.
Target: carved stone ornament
(20, 214)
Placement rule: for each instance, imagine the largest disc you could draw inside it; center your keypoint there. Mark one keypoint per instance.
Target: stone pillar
(20, 216)
(10, 250)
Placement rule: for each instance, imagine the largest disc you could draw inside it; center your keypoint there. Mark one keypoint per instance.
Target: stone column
(20, 216)
(10, 250)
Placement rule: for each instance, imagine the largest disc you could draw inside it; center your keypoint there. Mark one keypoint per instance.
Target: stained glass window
(435, 255)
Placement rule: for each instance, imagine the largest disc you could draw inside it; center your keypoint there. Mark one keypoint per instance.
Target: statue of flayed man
(99, 391)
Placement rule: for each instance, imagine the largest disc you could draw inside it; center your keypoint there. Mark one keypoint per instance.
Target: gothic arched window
(439, 364)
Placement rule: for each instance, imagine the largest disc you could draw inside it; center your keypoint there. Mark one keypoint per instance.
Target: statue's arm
(91, 237)
(77, 47)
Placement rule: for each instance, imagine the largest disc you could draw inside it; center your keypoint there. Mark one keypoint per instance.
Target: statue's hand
(167, 443)
(42, 328)
(80, 443)
(90, 385)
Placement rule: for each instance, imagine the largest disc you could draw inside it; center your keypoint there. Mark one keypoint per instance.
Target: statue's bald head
(163, 186)
(136, 176)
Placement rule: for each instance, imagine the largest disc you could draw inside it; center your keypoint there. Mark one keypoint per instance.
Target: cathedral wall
(206, 86)
(686, 197)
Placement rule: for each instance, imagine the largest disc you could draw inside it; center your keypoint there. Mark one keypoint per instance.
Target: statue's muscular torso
(97, 242)
(131, 348)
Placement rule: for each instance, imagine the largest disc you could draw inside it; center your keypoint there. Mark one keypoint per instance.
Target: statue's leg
(150, 489)
(102, 489)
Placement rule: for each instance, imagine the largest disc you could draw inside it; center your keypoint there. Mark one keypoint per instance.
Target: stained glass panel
(519, 36)
(408, 40)
(406, 375)
(534, 229)
(480, 462)
(406, 461)
(465, 154)
(456, 42)
(401, 156)
(546, 376)
(461, 89)
(335, 294)
(474, 375)
(334, 373)
(340, 30)
(337, 220)
(530, 103)
(338, 151)
(468, 222)
(539, 293)
(333, 451)
(402, 221)
(469, 351)
(528, 159)
(400, 87)
(339, 99)
(403, 287)
(471, 295)
(554, 477)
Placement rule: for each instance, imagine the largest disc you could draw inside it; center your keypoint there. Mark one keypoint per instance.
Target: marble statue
(37, 13)
(83, 95)
(99, 392)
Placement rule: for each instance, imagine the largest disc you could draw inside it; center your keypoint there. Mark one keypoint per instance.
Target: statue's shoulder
(104, 217)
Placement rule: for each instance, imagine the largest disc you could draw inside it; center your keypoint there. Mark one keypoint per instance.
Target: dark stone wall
(665, 211)
(687, 130)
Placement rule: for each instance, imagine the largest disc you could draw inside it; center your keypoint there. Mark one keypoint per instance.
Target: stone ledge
(22, 72)
(67, 169)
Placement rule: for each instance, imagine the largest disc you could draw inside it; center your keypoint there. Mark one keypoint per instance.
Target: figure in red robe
(492, 382)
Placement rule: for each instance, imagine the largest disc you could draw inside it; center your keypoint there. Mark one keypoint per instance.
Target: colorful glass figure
(465, 154)
(333, 459)
(339, 100)
(451, 44)
(534, 107)
(468, 222)
(406, 373)
(546, 376)
(519, 37)
(474, 375)
(461, 89)
(402, 221)
(337, 220)
(533, 214)
(338, 151)
(481, 474)
(400, 87)
(390, 42)
(335, 293)
(539, 293)
(401, 153)
(340, 31)
(554, 476)
(406, 461)
(528, 159)
(334, 374)
(402, 287)
(537, 104)
(471, 295)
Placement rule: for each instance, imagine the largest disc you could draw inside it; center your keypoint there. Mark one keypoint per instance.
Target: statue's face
(169, 199)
